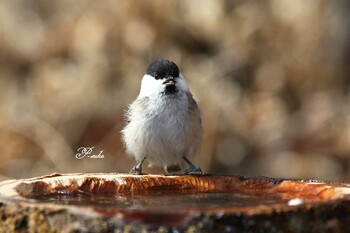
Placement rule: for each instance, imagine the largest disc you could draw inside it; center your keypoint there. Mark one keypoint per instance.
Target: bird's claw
(193, 171)
(136, 171)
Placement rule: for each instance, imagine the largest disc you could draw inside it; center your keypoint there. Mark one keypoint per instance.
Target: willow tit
(164, 124)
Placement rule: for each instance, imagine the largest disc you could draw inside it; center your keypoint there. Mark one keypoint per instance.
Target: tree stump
(159, 203)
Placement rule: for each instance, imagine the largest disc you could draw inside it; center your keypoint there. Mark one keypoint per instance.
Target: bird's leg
(137, 170)
(192, 170)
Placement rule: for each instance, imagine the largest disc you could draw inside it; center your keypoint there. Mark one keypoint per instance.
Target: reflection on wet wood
(210, 203)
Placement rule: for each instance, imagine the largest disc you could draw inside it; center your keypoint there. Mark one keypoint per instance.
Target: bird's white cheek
(150, 85)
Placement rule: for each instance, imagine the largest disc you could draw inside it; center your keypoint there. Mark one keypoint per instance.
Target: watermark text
(88, 152)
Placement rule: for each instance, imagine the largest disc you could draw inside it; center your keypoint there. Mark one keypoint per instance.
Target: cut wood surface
(158, 203)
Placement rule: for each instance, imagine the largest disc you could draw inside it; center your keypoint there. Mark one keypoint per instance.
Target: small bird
(163, 123)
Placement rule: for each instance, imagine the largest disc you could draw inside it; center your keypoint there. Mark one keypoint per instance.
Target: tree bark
(158, 203)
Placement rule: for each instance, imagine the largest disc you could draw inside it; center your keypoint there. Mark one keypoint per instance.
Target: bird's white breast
(159, 130)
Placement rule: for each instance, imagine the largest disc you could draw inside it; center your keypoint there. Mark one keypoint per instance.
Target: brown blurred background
(271, 79)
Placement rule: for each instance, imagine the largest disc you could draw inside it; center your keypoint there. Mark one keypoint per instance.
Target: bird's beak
(170, 87)
(169, 80)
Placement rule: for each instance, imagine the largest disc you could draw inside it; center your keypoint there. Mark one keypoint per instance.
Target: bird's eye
(158, 76)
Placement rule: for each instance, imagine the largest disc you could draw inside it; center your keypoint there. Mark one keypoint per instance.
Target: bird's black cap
(163, 68)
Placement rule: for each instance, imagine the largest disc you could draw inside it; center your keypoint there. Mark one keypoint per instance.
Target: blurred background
(271, 78)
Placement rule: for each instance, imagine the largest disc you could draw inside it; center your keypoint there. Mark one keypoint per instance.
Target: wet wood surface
(158, 203)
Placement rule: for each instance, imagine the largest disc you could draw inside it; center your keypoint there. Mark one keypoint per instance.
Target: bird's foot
(136, 170)
(193, 170)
